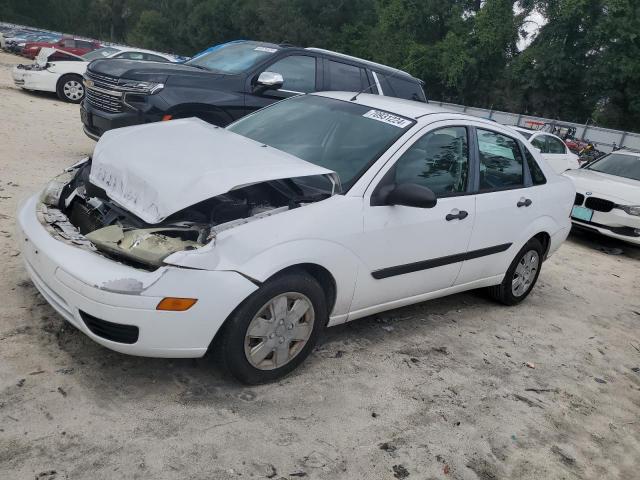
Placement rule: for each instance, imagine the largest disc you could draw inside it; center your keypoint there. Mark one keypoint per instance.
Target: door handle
(524, 202)
(461, 215)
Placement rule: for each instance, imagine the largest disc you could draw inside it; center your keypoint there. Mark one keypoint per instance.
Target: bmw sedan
(179, 237)
(608, 196)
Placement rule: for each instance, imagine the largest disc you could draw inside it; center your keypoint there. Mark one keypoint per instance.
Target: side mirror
(270, 80)
(412, 195)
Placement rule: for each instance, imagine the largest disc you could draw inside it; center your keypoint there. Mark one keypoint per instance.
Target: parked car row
(65, 76)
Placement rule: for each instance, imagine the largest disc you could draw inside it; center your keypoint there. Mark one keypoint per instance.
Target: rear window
(401, 87)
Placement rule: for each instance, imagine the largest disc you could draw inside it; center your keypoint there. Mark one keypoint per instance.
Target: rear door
(504, 205)
(300, 73)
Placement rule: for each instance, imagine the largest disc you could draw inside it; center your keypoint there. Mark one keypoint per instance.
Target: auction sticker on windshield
(386, 117)
(266, 49)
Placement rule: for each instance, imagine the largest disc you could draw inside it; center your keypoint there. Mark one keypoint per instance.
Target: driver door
(300, 74)
(411, 251)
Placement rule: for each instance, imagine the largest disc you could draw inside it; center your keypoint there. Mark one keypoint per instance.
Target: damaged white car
(180, 236)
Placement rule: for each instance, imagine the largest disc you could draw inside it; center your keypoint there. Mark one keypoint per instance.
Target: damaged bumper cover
(81, 284)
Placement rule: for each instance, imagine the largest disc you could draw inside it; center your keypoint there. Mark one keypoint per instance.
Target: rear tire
(269, 322)
(70, 88)
(521, 275)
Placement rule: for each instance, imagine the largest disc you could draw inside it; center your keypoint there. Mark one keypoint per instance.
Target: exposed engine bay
(76, 211)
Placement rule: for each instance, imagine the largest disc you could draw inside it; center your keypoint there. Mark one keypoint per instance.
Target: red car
(66, 44)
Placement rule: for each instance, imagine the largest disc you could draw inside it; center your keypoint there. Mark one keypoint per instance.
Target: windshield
(342, 136)
(627, 166)
(100, 53)
(233, 58)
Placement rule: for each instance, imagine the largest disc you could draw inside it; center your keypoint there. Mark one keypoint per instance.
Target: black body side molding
(438, 262)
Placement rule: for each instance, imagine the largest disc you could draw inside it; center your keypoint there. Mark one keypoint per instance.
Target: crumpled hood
(158, 169)
(623, 191)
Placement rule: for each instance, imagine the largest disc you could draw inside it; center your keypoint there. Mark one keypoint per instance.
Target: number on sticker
(387, 117)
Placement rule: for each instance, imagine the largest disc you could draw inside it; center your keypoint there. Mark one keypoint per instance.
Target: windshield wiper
(199, 66)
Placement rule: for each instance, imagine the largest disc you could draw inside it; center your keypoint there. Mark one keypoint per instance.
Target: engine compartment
(83, 214)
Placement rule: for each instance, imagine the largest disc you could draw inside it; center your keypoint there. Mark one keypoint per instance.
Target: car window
(83, 44)
(439, 160)
(298, 72)
(69, 43)
(540, 144)
(537, 177)
(554, 145)
(344, 77)
(131, 55)
(501, 164)
(619, 164)
(233, 57)
(154, 58)
(346, 137)
(100, 53)
(400, 87)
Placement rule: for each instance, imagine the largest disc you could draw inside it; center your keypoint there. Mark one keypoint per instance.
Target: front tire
(275, 329)
(70, 88)
(521, 275)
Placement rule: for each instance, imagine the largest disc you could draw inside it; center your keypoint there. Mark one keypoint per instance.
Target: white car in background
(552, 148)
(608, 196)
(65, 76)
(317, 210)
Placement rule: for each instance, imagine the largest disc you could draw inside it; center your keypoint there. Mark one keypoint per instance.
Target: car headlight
(141, 87)
(631, 209)
(52, 192)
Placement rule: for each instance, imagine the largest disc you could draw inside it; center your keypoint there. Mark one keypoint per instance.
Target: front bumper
(74, 280)
(41, 80)
(95, 121)
(615, 224)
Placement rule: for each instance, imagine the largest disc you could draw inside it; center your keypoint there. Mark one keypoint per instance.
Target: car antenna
(396, 72)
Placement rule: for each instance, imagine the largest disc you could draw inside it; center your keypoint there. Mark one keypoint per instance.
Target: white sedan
(180, 236)
(552, 148)
(65, 76)
(608, 196)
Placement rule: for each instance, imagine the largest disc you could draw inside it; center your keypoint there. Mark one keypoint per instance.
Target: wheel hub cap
(525, 273)
(279, 331)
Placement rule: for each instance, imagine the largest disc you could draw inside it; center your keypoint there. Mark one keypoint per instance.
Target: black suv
(225, 83)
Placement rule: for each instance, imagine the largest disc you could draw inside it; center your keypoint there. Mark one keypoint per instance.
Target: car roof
(628, 152)
(406, 108)
(141, 50)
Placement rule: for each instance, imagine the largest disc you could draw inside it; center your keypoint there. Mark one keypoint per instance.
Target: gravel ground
(457, 388)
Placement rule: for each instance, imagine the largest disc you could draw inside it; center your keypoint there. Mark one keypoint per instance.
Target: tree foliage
(583, 65)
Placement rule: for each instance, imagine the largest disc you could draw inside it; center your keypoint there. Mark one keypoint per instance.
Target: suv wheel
(70, 88)
(275, 329)
(521, 275)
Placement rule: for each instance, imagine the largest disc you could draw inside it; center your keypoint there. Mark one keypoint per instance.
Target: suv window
(439, 160)
(343, 77)
(554, 145)
(537, 177)
(540, 144)
(298, 71)
(400, 87)
(501, 164)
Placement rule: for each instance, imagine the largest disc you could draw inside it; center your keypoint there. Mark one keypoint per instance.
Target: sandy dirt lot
(439, 390)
